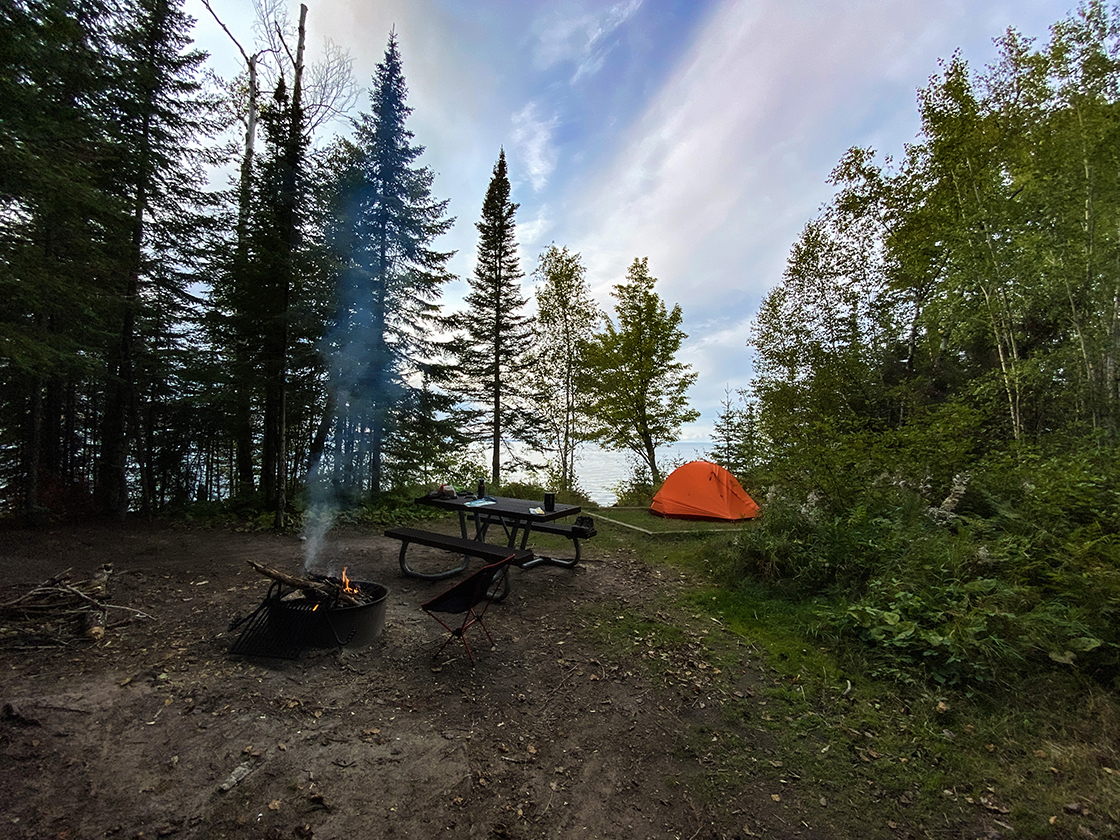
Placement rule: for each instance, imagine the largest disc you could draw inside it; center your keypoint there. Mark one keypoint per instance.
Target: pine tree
(54, 258)
(735, 434)
(102, 125)
(390, 276)
(159, 118)
(495, 338)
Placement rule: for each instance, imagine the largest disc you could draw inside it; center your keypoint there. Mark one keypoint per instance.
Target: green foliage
(960, 631)
(566, 320)
(936, 380)
(639, 389)
(524, 489)
(934, 591)
(737, 439)
(810, 549)
(637, 489)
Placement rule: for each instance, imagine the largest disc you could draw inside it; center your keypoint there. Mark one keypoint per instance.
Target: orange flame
(346, 587)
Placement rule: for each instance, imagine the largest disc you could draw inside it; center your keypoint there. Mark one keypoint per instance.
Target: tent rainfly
(703, 490)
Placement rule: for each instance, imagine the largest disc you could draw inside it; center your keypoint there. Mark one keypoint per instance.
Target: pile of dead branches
(62, 611)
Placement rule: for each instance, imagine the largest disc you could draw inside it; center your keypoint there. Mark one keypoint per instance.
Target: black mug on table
(550, 501)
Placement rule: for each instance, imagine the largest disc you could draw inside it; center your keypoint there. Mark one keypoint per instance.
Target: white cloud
(728, 161)
(580, 37)
(532, 143)
(532, 234)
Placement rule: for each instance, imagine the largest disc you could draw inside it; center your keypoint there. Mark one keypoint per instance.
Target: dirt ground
(157, 731)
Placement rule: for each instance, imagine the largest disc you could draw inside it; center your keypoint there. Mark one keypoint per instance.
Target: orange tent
(703, 490)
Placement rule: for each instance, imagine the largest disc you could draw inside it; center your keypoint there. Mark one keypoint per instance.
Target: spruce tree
(55, 261)
(495, 338)
(390, 277)
(159, 118)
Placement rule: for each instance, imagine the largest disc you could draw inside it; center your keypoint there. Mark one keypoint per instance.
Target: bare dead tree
(329, 89)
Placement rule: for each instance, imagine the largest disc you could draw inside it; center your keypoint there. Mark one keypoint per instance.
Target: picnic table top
(527, 510)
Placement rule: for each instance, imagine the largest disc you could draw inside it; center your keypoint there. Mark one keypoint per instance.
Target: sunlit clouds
(532, 142)
(699, 133)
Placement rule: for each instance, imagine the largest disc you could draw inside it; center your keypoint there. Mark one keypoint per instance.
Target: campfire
(314, 611)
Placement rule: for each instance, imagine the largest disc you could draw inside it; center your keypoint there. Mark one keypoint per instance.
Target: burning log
(323, 590)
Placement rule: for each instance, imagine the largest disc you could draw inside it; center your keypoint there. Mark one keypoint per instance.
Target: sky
(697, 133)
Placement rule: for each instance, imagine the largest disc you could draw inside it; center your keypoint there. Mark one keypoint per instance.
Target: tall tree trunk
(242, 361)
(243, 367)
(293, 155)
(496, 457)
(34, 447)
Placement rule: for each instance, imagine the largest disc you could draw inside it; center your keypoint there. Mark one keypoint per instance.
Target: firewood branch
(315, 589)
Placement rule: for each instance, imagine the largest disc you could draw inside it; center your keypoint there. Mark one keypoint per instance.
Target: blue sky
(698, 134)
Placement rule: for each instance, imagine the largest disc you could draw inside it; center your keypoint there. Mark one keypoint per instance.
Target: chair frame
(464, 599)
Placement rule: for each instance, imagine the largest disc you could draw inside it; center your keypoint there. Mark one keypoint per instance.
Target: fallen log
(93, 624)
(318, 589)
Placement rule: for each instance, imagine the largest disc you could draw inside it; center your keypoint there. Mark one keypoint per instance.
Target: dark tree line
(103, 216)
(165, 341)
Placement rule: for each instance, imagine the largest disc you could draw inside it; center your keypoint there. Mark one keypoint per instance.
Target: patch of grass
(640, 517)
(860, 755)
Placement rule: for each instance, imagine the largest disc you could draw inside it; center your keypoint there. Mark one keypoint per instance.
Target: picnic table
(517, 517)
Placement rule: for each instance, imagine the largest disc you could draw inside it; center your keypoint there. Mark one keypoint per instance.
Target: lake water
(600, 471)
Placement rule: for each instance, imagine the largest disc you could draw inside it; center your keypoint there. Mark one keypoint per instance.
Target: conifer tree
(54, 258)
(735, 434)
(495, 337)
(390, 276)
(159, 118)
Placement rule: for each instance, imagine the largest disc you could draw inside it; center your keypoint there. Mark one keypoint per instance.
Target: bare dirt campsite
(582, 721)
(156, 731)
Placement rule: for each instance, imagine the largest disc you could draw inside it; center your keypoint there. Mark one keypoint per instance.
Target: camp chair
(464, 599)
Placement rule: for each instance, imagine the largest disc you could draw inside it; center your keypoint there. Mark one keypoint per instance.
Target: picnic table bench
(583, 528)
(458, 545)
(513, 515)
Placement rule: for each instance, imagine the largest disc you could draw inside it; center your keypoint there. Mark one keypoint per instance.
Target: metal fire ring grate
(283, 632)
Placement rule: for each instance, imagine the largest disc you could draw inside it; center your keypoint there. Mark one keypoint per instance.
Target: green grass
(1032, 758)
(647, 521)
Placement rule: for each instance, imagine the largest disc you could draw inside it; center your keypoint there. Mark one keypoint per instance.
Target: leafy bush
(959, 598)
(520, 490)
(814, 549)
(636, 490)
(961, 631)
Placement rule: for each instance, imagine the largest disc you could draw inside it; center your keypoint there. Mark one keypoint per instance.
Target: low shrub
(952, 595)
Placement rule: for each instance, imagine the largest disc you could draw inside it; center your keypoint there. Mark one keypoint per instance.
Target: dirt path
(553, 734)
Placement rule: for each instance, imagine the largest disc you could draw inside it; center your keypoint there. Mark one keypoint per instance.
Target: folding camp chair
(464, 599)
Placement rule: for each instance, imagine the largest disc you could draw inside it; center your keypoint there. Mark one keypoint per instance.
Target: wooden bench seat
(458, 545)
(580, 530)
